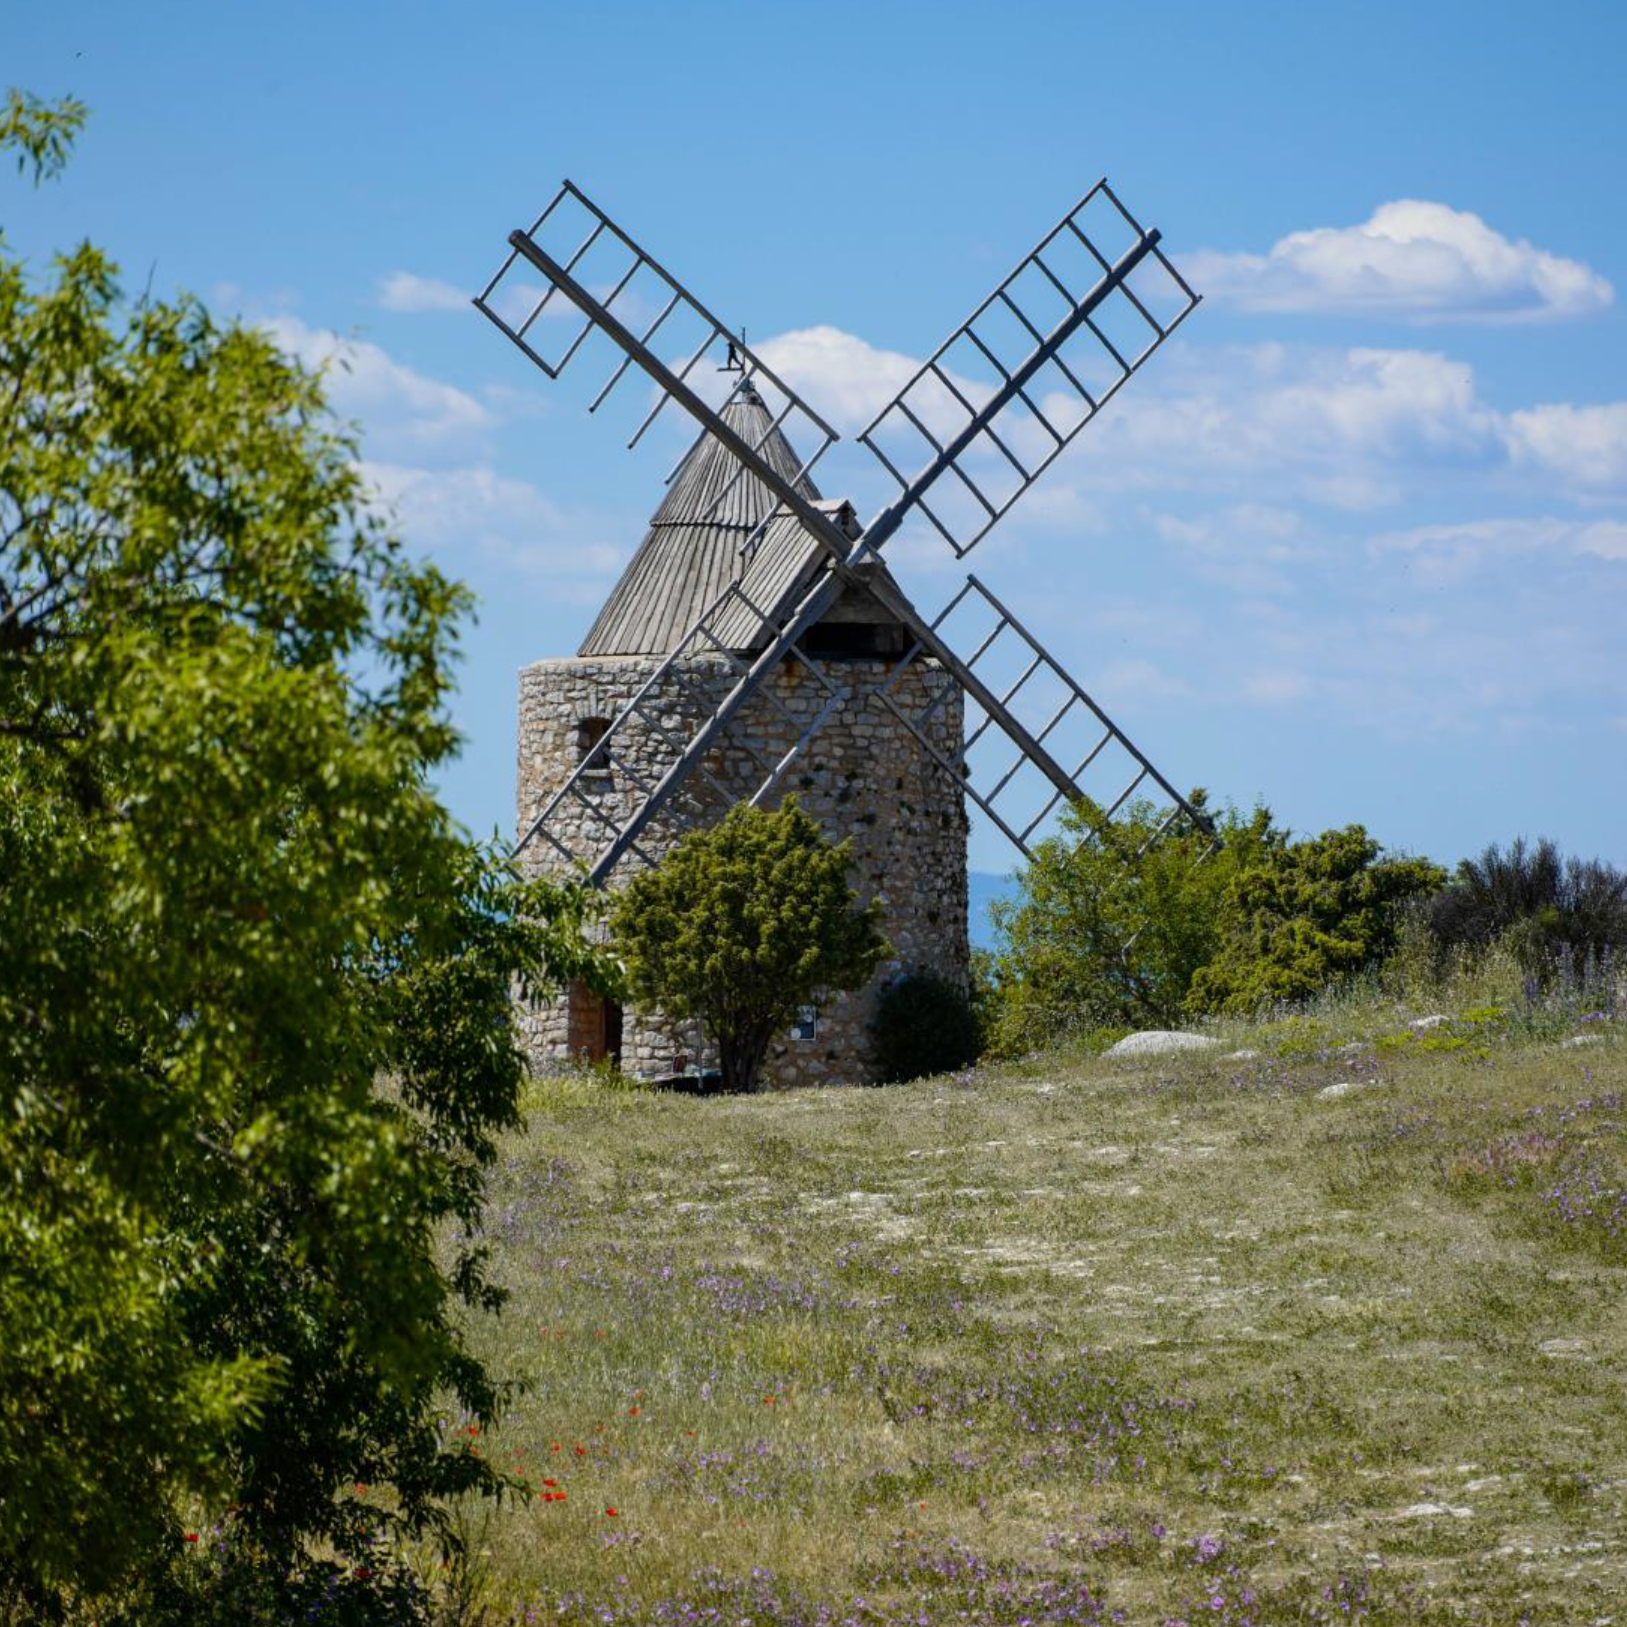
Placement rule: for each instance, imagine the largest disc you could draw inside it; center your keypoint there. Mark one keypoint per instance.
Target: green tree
(1307, 914)
(741, 924)
(1110, 925)
(255, 1025)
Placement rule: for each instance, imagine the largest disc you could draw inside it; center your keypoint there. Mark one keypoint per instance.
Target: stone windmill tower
(867, 778)
(757, 645)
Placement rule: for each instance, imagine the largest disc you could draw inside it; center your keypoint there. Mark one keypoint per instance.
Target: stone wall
(863, 776)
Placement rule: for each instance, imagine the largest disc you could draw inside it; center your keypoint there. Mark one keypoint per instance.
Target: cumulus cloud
(1586, 445)
(398, 405)
(407, 291)
(843, 376)
(1412, 260)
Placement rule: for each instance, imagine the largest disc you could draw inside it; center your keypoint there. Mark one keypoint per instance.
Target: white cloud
(407, 291)
(398, 405)
(1587, 444)
(842, 376)
(1343, 428)
(1451, 552)
(453, 512)
(1413, 260)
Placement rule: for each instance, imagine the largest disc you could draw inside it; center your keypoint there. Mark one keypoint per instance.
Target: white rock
(1245, 1055)
(1343, 1088)
(1580, 1039)
(1422, 1025)
(1420, 1511)
(1160, 1042)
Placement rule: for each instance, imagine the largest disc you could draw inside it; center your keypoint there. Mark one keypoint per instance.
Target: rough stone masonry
(864, 776)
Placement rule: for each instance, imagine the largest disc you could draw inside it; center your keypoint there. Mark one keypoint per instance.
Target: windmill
(762, 621)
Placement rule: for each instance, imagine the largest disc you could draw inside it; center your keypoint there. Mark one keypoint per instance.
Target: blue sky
(1354, 542)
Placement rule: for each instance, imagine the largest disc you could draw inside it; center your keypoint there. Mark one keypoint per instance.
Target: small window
(592, 750)
(806, 1027)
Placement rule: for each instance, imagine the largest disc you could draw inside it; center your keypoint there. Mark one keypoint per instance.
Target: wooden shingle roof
(691, 551)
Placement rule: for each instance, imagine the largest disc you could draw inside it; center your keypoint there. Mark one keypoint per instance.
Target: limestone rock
(1160, 1042)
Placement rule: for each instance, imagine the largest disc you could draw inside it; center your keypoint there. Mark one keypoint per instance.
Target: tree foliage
(1113, 929)
(231, 907)
(1303, 915)
(1111, 925)
(741, 924)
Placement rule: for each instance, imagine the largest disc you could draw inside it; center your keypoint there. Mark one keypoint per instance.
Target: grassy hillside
(1335, 1332)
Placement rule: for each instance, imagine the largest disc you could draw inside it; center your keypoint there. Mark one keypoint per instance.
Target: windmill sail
(802, 554)
(994, 405)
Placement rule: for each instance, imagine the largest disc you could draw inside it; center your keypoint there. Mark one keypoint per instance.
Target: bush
(924, 1024)
(1118, 926)
(1306, 915)
(742, 923)
(1543, 906)
(1112, 922)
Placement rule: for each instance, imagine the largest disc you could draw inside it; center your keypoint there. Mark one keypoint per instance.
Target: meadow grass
(1333, 1332)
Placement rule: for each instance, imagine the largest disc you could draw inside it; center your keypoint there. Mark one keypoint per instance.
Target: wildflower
(768, 1400)
(550, 1482)
(361, 1488)
(633, 1412)
(580, 1450)
(363, 1570)
(613, 1512)
(554, 1447)
(192, 1536)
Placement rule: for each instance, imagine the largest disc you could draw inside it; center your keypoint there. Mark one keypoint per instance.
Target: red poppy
(361, 1488)
(633, 1412)
(555, 1483)
(580, 1450)
(363, 1570)
(554, 1447)
(192, 1536)
(613, 1512)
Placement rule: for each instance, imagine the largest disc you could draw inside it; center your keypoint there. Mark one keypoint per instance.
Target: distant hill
(982, 889)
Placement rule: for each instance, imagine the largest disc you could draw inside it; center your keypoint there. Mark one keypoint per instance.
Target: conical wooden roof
(689, 555)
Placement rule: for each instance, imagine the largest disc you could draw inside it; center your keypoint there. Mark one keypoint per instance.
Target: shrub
(1304, 915)
(924, 1024)
(741, 924)
(1540, 904)
(1110, 926)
